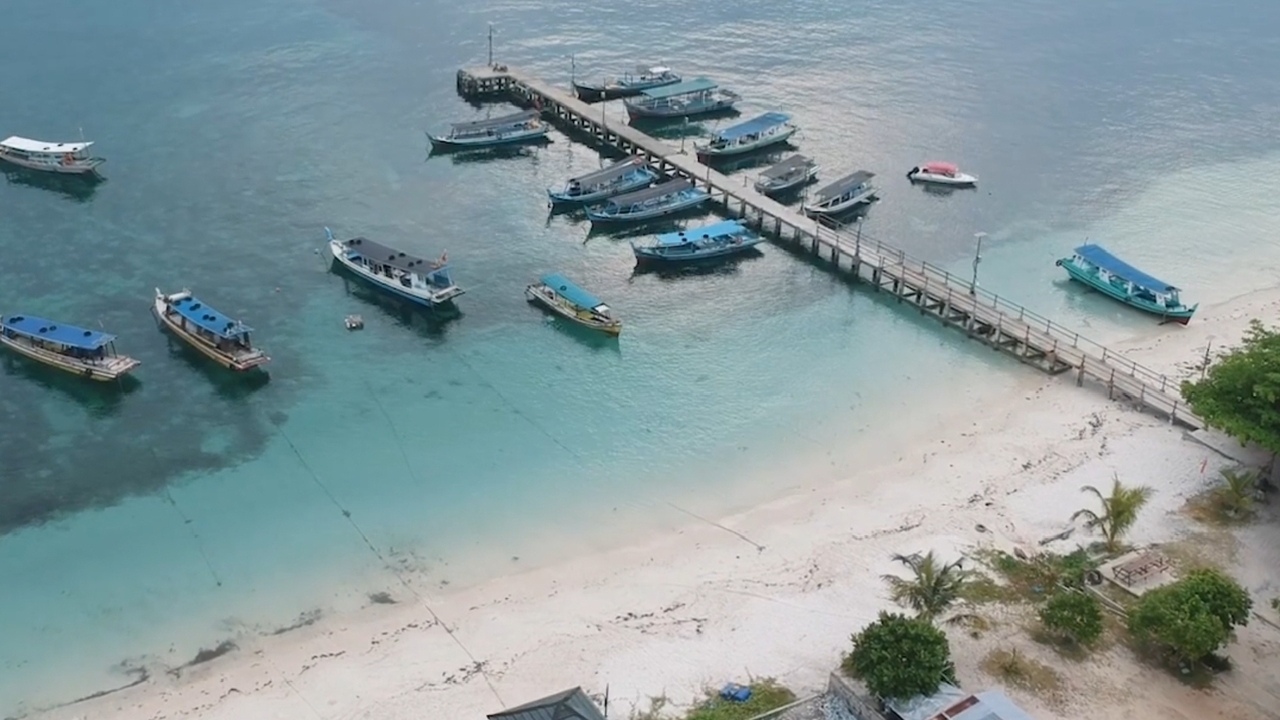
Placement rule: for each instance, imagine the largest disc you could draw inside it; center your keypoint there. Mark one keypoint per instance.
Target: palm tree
(933, 587)
(1237, 492)
(1119, 511)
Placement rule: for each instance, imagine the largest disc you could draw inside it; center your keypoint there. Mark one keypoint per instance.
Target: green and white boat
(1111, 276)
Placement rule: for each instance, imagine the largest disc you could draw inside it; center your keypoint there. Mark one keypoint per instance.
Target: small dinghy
(87, 353)
(621, 177)
(214, 335)
(557, 294)
(941, 173)
(666, 198)
(719, 240)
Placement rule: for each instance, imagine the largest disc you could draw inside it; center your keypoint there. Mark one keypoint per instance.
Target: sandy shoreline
(702, 605)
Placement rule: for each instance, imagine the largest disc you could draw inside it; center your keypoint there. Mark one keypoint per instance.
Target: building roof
(726, 227)
(571, 292)
(1114, 265)
(29, 145)
(838, 187)
(502, 121)
(681, 88)
(377, 252)
(48, 330)
(754, 125)
(205, 317)
(787, 167)
(952, 703)
(667, 188)
(567, 705)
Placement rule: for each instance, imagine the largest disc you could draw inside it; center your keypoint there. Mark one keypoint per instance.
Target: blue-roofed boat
(644, 78)
(214, 335)
(426, 282)
(1108, 274)
(718, 240)
(621, 177)
(519, 127)
(665, 198)
(683, 99)
(557, 294)
(768, 129)
(88, 353)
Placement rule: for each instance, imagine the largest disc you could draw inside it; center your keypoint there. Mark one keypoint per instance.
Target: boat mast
(490, 44)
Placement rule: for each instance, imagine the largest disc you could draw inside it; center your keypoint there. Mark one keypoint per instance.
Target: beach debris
(1060, 536)
(354, 322)
(734, 692)
(981, 528)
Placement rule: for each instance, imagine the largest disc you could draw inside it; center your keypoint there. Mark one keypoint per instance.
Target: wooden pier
(982, 315)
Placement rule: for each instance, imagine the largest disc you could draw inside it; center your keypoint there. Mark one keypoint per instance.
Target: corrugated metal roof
(565, 705)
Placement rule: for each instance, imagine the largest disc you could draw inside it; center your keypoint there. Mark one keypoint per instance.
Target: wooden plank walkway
(984, 316)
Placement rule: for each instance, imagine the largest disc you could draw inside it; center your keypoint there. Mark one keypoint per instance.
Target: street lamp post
(977, 258)
(857, 241)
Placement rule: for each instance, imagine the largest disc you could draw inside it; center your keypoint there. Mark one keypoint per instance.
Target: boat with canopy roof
(88, 353)
(717, 240)
(699, 96)
(557, 294)
(941, 173)
(426, 282)
(630, 84)
(666, 198)
(519, 127)
(67, 158)
(762, 131)
(787, 175)
(214, 335)
(621, 177)
(1113, 277)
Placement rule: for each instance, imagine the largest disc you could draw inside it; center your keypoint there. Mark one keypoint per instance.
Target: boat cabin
(648, 198)
(576, 296)
(751, 131)
(844, 191)
(410, 272)
(633, 169)
(195, 318)
(54, 156)
(789, 172)
(1125, 279)
(87, 346)
(527, 120)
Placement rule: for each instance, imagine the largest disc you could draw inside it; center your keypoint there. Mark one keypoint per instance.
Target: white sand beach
(704, 605)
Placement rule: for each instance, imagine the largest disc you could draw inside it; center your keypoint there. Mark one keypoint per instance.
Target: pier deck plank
(1002, 324)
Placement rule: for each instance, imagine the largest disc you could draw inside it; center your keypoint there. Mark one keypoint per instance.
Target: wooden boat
(665, 198)
(1115, 278)
(705, 243)
(941, 173)
(571, 302)
(645, 78)
(768, 129)
(425, 282)
(621, 177)
(683, 99)
(841, 195)
(56, 157)
(87, 353)
(787, 175)
(520, 127)
(214, 335)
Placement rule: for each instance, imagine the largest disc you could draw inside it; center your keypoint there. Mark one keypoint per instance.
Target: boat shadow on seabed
(79, 188)
(101, 399)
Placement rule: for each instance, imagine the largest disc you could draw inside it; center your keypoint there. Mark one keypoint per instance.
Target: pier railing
(854, 242)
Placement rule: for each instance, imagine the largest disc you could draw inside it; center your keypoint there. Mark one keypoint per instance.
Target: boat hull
(561, 198)
(244, 363)
(652, 255)
(113, 368)
(80, 167)
(599, 217)
(429, 299)
(524, 136)
(1181, 316)
(720, 105)
(545, 299)
(742, 149)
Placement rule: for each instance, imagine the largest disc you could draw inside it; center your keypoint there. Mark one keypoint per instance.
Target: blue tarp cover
(727, 227)
(69, 335)
(203, 316)
(754, 125)
(573, 293)
(1114, 265)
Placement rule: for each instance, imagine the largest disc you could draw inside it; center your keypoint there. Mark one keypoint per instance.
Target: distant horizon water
(137, 527)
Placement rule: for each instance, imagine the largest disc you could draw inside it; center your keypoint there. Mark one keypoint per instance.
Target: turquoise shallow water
(195, 506)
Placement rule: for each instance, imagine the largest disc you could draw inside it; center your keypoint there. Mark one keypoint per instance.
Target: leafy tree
(933, 587)
(1192, 617)
(1073, 615)
(1119, 511)
(1238, 492)
(899, 657)
(1240, 393)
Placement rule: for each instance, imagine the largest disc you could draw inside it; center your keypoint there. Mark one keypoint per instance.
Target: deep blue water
(236, 131)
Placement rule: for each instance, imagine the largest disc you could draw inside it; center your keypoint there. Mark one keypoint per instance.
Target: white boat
(520, 127)
(941, 173)
(787, 175)
(841, 195)
(57, 157)
(425, 282)
(758, 132)
(557, 294)
(216, 336)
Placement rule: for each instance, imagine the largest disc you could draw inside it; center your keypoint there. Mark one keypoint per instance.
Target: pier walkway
(982, 315)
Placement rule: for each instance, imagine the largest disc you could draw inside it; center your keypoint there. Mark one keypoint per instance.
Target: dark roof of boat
(666, 188)
(845, 183)
(378, 252)
(754, 125)
(566, 705)
(787, 167)
(681, 88)
(503, 121)
(69, 335)
(205, 317)
(1114, 265)
(615, 170)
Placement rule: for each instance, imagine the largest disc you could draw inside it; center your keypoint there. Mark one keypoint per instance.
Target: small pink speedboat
(941, 173)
